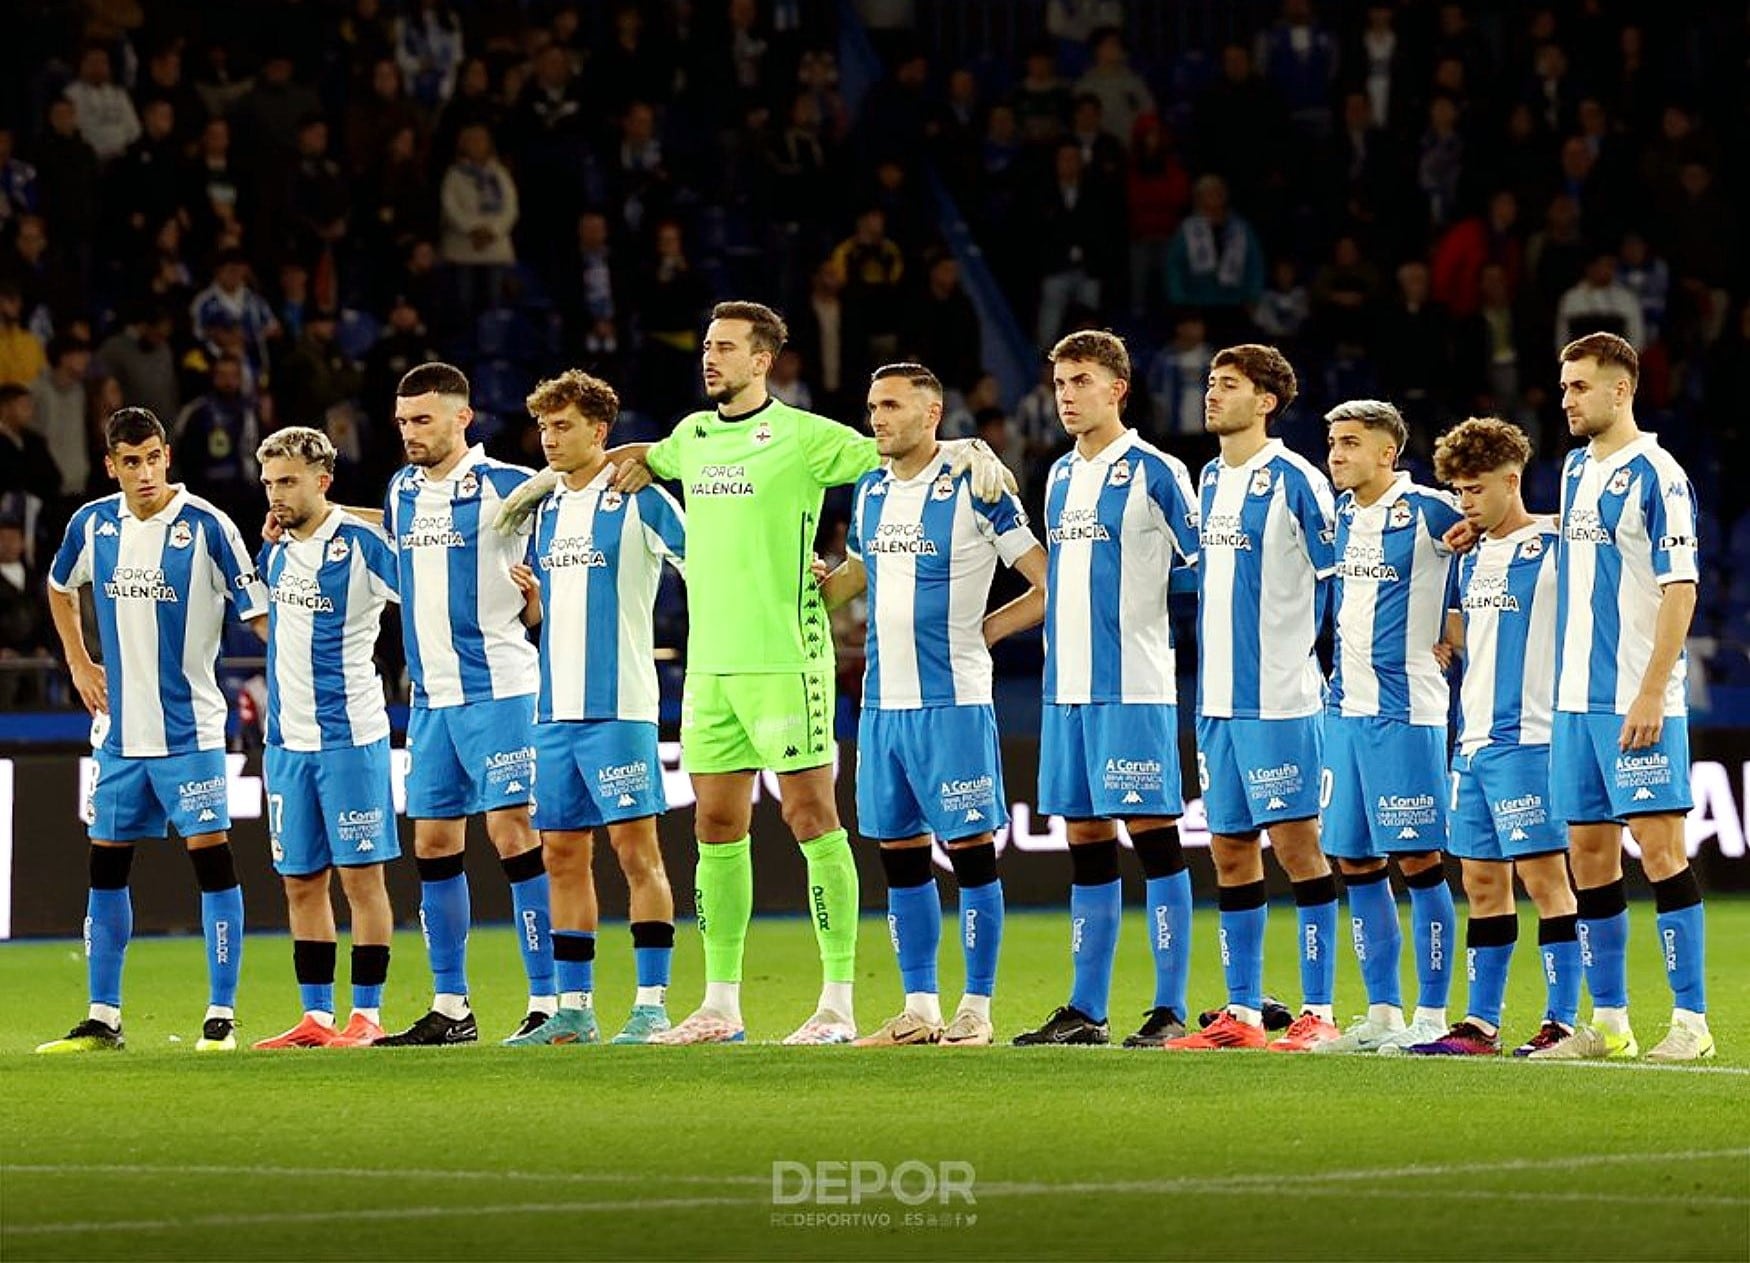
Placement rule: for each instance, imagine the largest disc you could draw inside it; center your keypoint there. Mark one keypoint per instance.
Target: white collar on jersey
(164, 516)
(1537, 526)
(1111, 452)
(1400, 483)
(472, 457)
(1263, 456)
(1624, 454)
(929, 472)
(597, 484)
(328, 528)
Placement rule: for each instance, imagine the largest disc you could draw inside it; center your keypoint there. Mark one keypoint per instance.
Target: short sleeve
(1169, 490)
(1005, 522)
(854, 531)
(1668, 500)
(1316, 512)
(1440, 514)
(665, 525)
(71, 567)
(835, 454)
(243, 586)
(380, 568)
(664, 456)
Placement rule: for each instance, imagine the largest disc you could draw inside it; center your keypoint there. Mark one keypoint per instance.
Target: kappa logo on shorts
(365, 845)
(1518, 835)
(1643, 794)
(207, 814)
(1132, 797)
(1407, 833)
(626, 800)
(973, 814)
(515, 787)
(1275, 804)
(791, 752)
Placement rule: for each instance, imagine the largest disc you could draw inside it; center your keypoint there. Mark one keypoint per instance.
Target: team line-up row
(1568, 633)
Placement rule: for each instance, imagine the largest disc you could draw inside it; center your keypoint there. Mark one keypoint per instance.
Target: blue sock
(981, 935)
(575, 963)
(914, 919)
(222, 922)
(1683, 939)
(1488, 952)
(651, 965)
(528, 898)
(109, 924)
(1373, 922)
(316, 997)
(1245, 912)
(1316, 908)
(367, 997)
(1604, 944)
(1169, 906)
(445, 912)
(1433, 919)
(1560, 949)
(1094, 912)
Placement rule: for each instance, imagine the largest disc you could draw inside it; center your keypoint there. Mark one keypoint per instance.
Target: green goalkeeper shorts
(781, 722)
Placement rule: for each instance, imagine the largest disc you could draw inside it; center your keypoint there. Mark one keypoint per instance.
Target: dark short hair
(11, 391)
(1095, 346)
(1375, 414)
(434, 378)
(128, 427)
(1266, 368)
(916, 374)
(64, 344)
(1606, 348)
(769, 330)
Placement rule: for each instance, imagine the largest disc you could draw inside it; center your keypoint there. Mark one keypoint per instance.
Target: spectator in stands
(631, 65)
(1462, 251)
(144, 185)
(1102, 152)
(1298, 57)
(1177, 376)
(1216, 261)
(319, 199)
(213, 442)
(215, 194)
(1412, 349)
(316, 377)
(785, 383)
(638, 177)
(52, 292)
(1648, 277)
(107, 119)
(374, 117)
(991, 424)
(672, 298)
(819, 333)
(139, 358)
(873, 269)
(1491, 349)
(25, 629)
(1440, 162)
(268, 114)
(480, 207)
(1041, 100)
(592, 305)
(1077, 224)
(1158, 193)
(18, 187)
(1076, 24)
(473, 102)
(1123, 94)
(67, 176)
(1283, 309)
(941, 326)
(25, 463)
(1378, 67)
(21, 350)
(398, 206)
(231, 296)
(955, 133)
(1598, 303)
(58, 395)
(1240, 127)
(164, 81)
(428, 48)
(1362, 169)
(224, 340)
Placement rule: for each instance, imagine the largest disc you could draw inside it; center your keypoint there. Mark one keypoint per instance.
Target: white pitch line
(375, 1173)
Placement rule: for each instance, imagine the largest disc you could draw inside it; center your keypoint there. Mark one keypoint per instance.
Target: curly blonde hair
(595, 399)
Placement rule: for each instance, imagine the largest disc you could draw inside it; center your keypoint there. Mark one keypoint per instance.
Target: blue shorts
(1500, 805)
(1109, 760)
(1593, 781)
(1383, 788)
(937, 770)
(470, 759)
(1258, 772)
(133, 799)
(592, 772)
(328, 808)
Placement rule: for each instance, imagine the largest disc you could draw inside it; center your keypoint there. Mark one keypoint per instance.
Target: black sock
(1158, 851)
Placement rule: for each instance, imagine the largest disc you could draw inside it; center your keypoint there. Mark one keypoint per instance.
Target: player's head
(1365, 437)
(1599, 372)
(905, 406)
(1250, 386)
(1090, 374)
(574, 412)
(297, 468)
(1483, 459)
(740, 344)
(137, 455)
(432, 413)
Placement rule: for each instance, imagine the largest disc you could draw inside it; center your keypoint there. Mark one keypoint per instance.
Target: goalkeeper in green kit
(759, 683)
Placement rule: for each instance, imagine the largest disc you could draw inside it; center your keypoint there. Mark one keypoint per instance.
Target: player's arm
(526, 583)
(1645, 720)
(1450, 647)
(88, 677)
(1026, 610)
(258, 625)
(847, 582)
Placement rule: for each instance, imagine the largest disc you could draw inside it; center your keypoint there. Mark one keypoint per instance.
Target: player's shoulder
(1154, 461)
(867, 481)
(360, 533)
(1426, 498)
(104, 509)
(694, 425)
(198, 509)
(502, 476)
(650, 501)
(1291, 466)
(1661, 464)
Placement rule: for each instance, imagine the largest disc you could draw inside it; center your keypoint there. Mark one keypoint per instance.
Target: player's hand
(1461, 537)
(819, 569)
(1443, 655)
(990, 477)
(525, 581)
(630, 476)
(93, 684)
(271, 530)
(1644, 723)
(520, 503)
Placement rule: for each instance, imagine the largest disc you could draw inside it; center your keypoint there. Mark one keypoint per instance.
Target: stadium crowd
(250, 218)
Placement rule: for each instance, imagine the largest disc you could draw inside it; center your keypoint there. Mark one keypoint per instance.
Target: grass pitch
(492, 1153)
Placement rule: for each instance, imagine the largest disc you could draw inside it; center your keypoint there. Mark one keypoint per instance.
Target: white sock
(576, 1000)
(108, 1014)
(373, 1016)
(651, 996)
(1389, 1016)
(543, 1004)
(451, 1005)
(924, 1004)
(1320, 1011)
(978, 1005)
(1487, 1028)
(1251, 1017)
(220, 1010)
(1613, 1020)
(1696, 1022)
(321, 1017)
(1434, 1017)
(835, 997)
(724, 998)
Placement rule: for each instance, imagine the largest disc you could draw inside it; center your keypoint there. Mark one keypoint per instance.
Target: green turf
(492, 1153)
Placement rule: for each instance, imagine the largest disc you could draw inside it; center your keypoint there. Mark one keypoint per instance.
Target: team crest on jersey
(337, 549)
(181, 536)
(1619, 482)
(943, 489)
(763, 432)
(1398, 515)
(1261, 483)
(1120, 472)
(469, 486)
(611, 500)
(1531, 548)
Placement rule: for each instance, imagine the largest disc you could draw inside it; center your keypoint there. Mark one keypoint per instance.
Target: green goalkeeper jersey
(753, 488)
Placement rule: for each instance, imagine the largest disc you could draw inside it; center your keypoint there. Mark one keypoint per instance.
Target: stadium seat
(357, 333)
(495, 333)
(501, 387)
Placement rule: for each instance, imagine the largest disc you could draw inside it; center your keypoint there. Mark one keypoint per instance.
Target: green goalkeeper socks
(723, 893)
(833, 903)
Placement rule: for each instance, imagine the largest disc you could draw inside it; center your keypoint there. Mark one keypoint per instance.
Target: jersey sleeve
(391, 528)
(835, 454)
(243, 585)
(506, 479)
(1004, 523)
(664, 456)
(380, 569)
(1440, 514)
(1169, 491)
(71, 567)
(1668, 500)
(854, 531)
(1316, 512)
(665, 525)
(1456, 578)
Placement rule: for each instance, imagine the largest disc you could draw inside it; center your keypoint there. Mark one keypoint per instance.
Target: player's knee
(1485, 883)
(510, 833)
(808, 819)
(566, 855)
(307, 891)
(640, 860)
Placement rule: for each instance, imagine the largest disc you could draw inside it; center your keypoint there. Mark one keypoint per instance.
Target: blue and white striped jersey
(1115, 524)
(1268, 540)
(598, 555)
(929, 549)
(1506, 592)
(328, 593)
(159, 586)
(1393, 578)
(461, 616)
(1628, 528)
